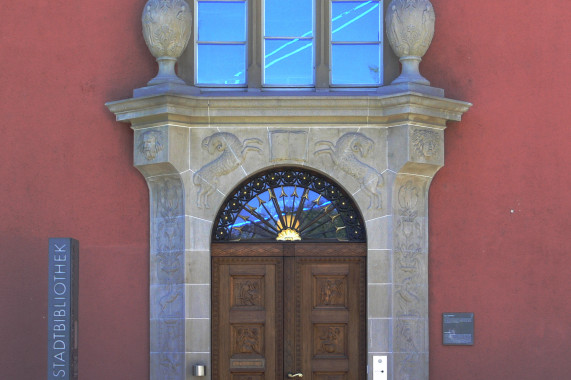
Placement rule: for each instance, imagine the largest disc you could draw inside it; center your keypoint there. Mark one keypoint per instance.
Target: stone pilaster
(159, 151)
(167, 295)
(410, 276)
(416, 153)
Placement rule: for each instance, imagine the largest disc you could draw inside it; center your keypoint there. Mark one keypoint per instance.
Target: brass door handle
(294, 375)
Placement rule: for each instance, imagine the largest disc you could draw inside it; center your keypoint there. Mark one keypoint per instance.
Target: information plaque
(458, 329)
(63, 288)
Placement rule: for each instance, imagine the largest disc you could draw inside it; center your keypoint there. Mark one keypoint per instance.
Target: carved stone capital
(160, 150)
(424, 149)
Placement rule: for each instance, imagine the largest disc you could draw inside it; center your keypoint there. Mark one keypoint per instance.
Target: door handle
(294, 375)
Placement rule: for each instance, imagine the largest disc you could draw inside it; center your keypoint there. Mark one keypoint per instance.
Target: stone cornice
(311, 108)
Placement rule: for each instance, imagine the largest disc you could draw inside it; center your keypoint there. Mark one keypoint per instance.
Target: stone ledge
(301, 108)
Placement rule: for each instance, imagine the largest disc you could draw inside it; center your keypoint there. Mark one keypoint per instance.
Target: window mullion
(255, 44)
(322, 48)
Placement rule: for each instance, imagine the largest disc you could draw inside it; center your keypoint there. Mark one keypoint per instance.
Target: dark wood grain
(302, 310)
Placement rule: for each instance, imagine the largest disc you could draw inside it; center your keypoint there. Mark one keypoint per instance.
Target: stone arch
(279, 196)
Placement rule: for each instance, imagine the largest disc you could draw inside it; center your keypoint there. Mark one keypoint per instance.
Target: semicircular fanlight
(289, 205)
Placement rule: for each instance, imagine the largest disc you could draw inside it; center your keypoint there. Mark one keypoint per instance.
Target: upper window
(293, 43)
(221, 42)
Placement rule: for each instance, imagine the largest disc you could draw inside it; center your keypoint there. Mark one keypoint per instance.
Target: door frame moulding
(405, 125)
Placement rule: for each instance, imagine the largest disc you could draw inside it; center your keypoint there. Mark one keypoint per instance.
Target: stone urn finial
(167, 25)
(410, 28)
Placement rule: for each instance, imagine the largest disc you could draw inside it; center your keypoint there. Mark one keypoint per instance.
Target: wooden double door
(289, 310)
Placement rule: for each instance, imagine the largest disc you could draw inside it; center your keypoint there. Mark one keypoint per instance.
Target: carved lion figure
(232, 153)
(345, 155)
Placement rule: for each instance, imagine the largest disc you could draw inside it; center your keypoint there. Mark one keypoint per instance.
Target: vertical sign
(62, 308)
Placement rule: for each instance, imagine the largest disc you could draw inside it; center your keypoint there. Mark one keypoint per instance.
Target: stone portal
(383, 148)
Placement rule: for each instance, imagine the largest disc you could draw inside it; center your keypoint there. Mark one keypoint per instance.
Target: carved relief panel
(410, 291)
(167, 292)
(247, 339)
(247, 292)
(427, 145)
(347, 155)
(228, 152)
(330, 291)
(330, 340)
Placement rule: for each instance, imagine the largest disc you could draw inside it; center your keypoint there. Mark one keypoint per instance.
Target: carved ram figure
(232, 155)
(345, 155)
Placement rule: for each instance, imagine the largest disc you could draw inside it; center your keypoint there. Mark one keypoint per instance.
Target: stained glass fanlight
(289, 205)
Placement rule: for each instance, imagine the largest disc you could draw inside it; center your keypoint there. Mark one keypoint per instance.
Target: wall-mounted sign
(458, 329)
(63, 288)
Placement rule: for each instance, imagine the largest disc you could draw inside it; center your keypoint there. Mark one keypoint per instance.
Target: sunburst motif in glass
(289, 205)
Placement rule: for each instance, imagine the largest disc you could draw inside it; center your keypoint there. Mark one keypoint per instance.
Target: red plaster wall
(66, 170)
(510, 152)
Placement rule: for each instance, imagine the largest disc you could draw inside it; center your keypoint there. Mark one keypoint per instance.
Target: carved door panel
(247, 318)
(330, 318)
(288, 314)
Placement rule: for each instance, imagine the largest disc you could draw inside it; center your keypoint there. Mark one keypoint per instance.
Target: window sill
(173, 88)
(386, 105)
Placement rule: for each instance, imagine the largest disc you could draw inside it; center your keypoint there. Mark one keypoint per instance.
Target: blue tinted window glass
(290, 18)
(221, 21)
(221, 64)
(356, 64)
(288, 62)
(355, 21)
(288, 205)
(309, 216)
